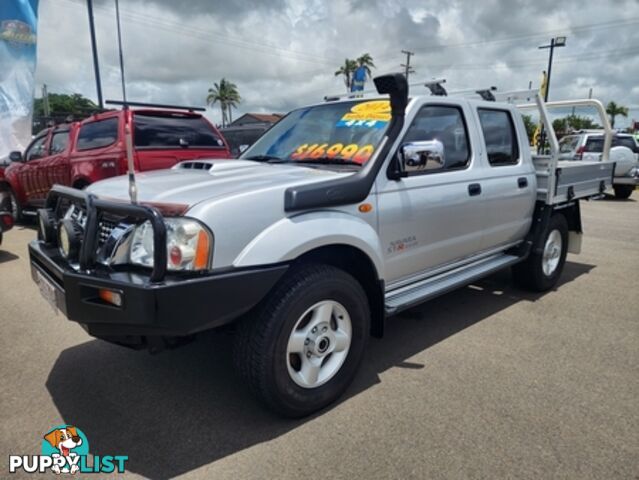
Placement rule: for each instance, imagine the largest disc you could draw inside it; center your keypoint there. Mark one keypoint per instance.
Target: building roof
(258, 117)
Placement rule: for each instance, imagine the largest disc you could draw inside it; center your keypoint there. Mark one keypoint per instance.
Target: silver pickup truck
(341, 215)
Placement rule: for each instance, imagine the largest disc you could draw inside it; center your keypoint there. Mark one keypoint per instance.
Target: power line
(565, 59)
(197, 33)
(407, 68)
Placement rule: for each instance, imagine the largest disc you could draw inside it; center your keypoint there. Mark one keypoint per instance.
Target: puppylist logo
(65, 450)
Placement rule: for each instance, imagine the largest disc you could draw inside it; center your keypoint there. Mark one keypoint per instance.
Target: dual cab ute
(81, 153)
(339, 216)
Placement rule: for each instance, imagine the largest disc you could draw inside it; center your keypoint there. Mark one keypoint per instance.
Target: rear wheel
(304, 347)
(622, 192)
(541, 271)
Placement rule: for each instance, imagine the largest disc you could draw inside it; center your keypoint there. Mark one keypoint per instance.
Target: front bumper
(177, 306)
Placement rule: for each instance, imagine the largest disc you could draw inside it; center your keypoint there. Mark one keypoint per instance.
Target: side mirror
(420, 156)
(15, 156)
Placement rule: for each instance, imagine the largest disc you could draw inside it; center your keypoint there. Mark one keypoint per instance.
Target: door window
(445, 124)
(98, 134)
(36, 149)
(59, 142)
(500, 137)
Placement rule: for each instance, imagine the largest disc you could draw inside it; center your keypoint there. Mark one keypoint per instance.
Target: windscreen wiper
(265, 158)
(328, 161)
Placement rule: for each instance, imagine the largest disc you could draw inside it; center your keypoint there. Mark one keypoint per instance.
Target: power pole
(407, 68)
(45, 101)
(94, 49)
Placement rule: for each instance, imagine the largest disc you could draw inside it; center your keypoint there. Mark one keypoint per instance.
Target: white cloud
(283, 53)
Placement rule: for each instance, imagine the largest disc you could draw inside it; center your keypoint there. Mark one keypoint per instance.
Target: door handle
(474, 189)
(522, 182)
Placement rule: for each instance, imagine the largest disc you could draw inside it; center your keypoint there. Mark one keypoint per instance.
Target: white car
(588, 145)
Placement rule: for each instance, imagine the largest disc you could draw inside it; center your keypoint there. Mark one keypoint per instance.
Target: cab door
(433, 217)
(54, 169)
(28, 173)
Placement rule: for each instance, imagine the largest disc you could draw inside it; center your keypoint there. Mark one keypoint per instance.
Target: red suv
(80, 153)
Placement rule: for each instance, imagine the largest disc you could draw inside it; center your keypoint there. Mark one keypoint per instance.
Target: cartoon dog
(65, 440)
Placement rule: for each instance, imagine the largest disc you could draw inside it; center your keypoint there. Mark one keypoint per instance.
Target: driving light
(46, 225)
(188, 245)
(69, 239)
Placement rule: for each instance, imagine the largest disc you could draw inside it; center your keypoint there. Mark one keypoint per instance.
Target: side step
(410, 295)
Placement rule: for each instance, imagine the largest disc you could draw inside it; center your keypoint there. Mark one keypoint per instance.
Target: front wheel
(16, 208)
(304, 347)
(622, 192)
(541, 271)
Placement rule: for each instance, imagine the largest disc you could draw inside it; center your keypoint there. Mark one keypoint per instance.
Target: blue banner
(18, 26)
(359, 79)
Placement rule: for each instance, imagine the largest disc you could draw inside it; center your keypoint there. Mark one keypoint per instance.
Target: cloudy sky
(283, 53)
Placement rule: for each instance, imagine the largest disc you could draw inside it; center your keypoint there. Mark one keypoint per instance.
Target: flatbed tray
(571, 180)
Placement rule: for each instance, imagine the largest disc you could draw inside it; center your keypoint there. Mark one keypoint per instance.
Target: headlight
(188, 245)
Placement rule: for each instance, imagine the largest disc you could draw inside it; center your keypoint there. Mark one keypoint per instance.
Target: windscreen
(173, 131)
(344, 132)
(568, 144)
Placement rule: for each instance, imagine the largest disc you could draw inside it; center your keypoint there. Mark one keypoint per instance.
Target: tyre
(304, 346)
(16, 208)
(541, 271)
(622, 192)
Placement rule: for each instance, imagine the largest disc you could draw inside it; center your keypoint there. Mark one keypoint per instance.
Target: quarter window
(500, 137)
(445, 124)
(98, 134)
(36, 150)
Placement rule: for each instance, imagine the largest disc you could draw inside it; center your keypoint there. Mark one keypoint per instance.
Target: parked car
(81, 153)
(342, 214)
(241, 137)
(588, 145)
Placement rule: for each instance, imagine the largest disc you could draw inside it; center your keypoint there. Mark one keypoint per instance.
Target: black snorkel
(355, 188)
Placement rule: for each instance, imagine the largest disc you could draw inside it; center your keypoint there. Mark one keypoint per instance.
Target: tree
(613, 110)
(366, 61)
(565, 125)
(347, 71)
(62, 105)
(228, 97)
(530, 126)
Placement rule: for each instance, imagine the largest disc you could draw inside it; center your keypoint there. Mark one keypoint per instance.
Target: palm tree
(613, 110)
(347, 70)
(227, 95)
(366, 61)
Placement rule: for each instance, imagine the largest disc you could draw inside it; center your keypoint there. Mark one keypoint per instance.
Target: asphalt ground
(484, 382)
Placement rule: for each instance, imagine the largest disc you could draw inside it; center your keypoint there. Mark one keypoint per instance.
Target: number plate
(47, 290)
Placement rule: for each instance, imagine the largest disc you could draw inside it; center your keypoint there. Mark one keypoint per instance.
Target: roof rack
(155, 105)
(435, 86)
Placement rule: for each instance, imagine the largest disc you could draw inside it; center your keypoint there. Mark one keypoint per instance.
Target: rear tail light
(579, 153)
(7, 221)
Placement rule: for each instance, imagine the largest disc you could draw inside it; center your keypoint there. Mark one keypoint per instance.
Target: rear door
(433, 217)
(508, 185)
(161, 139)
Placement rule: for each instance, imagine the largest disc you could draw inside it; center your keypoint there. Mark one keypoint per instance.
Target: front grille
(106, 224)
(105, 227)
(109, 219)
